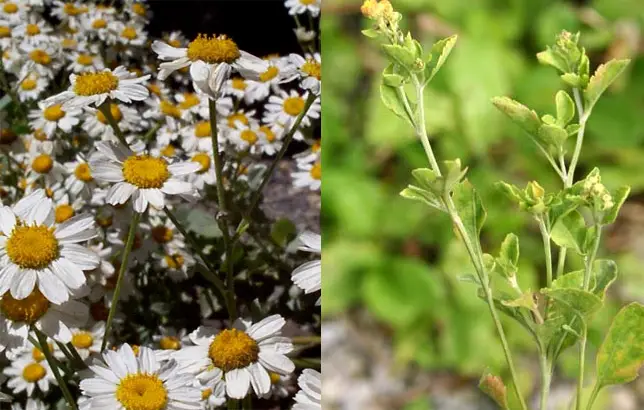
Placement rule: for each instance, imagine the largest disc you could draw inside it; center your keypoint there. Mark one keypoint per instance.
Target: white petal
(84, 258)
(276, 362)
(259, 379)
(70, 274)
(166, 51)
(154, 197)
(237, 383)
(184, 168)
(22, 287)
(96, 386)
(268, 326)
(140, 202)
(51, 287)
(175, 187)
(7, 220)
(74, 226)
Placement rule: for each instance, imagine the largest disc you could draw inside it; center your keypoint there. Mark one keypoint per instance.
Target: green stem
(478, 265)
(269, 172)
(545, 235)
(210, 273)
(421, 129)
(304, 340)
(106, 109)
(583, 116)
(546, 375)
(593, 396)
(44, 347)
(561, 262)
(591, 258)
(232, 404)
(79, 360)
(247, 402)
(119, 282)
(222, 218)
(582, 362)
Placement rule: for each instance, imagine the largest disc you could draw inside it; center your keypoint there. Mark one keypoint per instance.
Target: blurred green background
(400, 261)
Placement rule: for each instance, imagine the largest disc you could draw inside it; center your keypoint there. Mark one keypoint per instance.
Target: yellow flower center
(42, 164)
(205, 394)
(85, 59)
(32, 247)
(168, 151)
(249, 136)
(213, 50)
(38, 355)
(142, 391)
(48, 191)
(10, 8)
(174, 261)
(169, 109)
(138, 9)
(203, 160)
(203, 130)
(233, 349)
(169, 343)
(129, 33)
(175, 43)
(269, 74)
(33, 372)
(316, 171)
(5, 31)
(239, 83)
(145, 171)
(64, 212)
(40, 57)
(29, 84)
(154, 89)
(232, 119)
(95, 83)
(293, 105)
(40, 135)
(32, 29)
(82, 340)
(316, 147)
(162, 234)
(312, 68)
(83, 172)
(71, 10)
(54, 113)
(104, 221)
(189, 101)
(27, 310)
(275, 378)
(99, 23)
(270, 135)
(307, 2)
(69, 43)
(116, 114)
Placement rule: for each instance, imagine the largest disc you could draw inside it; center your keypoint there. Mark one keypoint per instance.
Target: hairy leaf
(602, 79)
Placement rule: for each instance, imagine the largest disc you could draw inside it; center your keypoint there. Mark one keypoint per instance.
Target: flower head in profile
(137, 381)
(211, 60)
(245, 354)
(310, 395)
(308, 276)
(37, 253)
(94, 88)
(144, 178)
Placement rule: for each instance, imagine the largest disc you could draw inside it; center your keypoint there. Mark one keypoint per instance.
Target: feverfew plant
(138, 267)
(570, 220)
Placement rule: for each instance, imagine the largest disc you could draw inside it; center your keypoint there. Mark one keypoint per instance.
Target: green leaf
(371, 33)
(469, 206)
(602, 79)
(199, 221)
(392, 99)
(4, 101)
(510, 250)
(581, 302)
(549, 57)
(283, 231)
(622, 353)
(565, 108)
(572, 80)
(552, 135)
(427, 197)
(526, 300)
(401, 55)
(442, 48)
(604, 273)
(570, 232)
(619, 197)
(519, 113)
(393, 80)
(494, 388)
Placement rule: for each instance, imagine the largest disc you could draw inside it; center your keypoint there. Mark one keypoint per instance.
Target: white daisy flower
(206, 174)
(129, 381)
(237, 87)
(14, 11)
(276, 71)
(35, 31)
(303, 6)
(213, 393)
(84, 62)
(50, 118)
(284, 108)
(145, 178)
(310, 395)
(128, 35)
(197, 137)
(36, 253)
(26, 374)
(310, 70)
(69, 12)
(43, 58)
(211, 59)
(308, 176)
(245, 138)
(80, 181)
(94, 88)
(31, 87)
(127, 118)
(245, 355)
(177, 264)
(271, 138)
(308, 276)
(191, 104)
(88, 342)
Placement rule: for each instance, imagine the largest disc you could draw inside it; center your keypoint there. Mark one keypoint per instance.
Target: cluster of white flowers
(107, 133)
